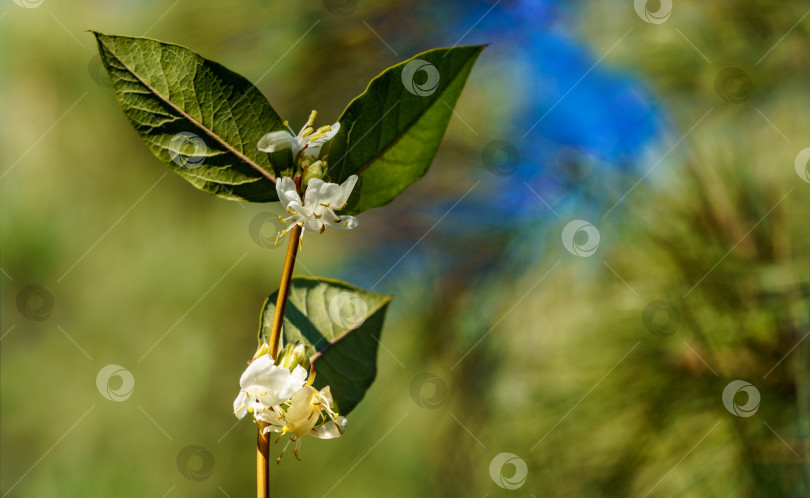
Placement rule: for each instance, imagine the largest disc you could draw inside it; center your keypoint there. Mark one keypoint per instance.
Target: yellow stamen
(312, 118)
(315, 136)
(307, 132)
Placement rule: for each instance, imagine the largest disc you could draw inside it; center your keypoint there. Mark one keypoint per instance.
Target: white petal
(272, 428)
(314, 224)
(279, 140)
(271, 384)
(287, 193)
(332, 195)
(312, 197)
(272, 419)
(330, 430)
(332, 132)
(302, 415)
(313, 148)
(312, 151)
(299, 375)
(253, 372)
(347, 222)
(346, 190)
(240, 405)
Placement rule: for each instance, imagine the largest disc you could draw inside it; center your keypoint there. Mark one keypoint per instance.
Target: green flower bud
(263, 349)
(292, 355)
(314, 170)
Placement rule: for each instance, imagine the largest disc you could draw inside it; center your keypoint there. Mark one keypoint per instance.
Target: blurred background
(601, 284)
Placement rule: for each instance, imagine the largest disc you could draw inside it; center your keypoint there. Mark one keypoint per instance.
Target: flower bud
(264, 348)
(314, 170)
(292, 355)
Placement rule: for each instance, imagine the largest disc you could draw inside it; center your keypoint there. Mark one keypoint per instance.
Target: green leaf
(390, 134)
(341, 326)
(201, 119)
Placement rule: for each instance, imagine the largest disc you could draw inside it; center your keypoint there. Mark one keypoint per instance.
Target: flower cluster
(306, 146)
(317, 209)
(280, 396)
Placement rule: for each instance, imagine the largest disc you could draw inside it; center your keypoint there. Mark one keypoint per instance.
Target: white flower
(266, 385)
(308, 140)
(318, 210)
(309, 414)
(281, 398)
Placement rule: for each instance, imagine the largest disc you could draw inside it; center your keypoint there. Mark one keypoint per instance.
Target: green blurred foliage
(561, 372)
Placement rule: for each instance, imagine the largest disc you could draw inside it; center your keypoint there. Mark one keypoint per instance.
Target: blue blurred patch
(580, 127)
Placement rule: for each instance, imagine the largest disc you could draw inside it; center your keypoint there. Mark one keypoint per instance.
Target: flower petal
(287, 193)
(312, 148)
(279, 140)
(345, 190)
(331, 429)
(240, 404)
(334, 129)
(270, 384)
(347, 222)
(254, 371)
(331, 194)
(312, 197)
(302, 415)
(274, 418)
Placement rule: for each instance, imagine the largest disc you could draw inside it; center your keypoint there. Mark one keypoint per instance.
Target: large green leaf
(341, 325)
(201, 119)
(390, 134)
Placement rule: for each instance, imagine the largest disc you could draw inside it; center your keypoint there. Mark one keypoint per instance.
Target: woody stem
(284, 289)
(262, 464)
(263, 441)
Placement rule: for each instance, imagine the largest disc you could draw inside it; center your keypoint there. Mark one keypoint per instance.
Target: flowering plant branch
(318, 337)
